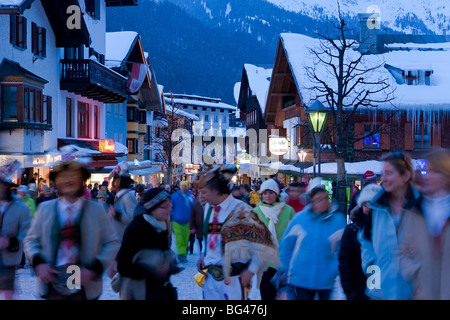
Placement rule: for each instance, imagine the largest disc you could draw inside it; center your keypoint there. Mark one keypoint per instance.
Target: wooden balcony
(93, 80)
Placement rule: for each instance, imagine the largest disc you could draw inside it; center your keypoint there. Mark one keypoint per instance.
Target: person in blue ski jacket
(309, 248)
(182, 202)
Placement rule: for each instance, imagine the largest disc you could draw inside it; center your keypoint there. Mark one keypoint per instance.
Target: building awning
(145, 171)
(90, 148)
(351, 168)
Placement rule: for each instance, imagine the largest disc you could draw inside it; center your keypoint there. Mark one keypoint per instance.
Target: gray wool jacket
(99, 242)
(16, 221)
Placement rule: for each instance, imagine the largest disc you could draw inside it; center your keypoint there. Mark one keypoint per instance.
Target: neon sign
(106, 146)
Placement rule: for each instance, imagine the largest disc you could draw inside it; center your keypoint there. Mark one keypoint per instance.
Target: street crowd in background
(392, 244)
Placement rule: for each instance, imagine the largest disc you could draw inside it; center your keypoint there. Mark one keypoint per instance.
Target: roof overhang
(11, 71)
(15, 8)
(56, 12)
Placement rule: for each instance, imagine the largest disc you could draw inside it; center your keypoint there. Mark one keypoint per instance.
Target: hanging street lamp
(317, 117)
(301, 155)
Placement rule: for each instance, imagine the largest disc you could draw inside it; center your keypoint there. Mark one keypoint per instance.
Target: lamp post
(301, 155)
(317, 117)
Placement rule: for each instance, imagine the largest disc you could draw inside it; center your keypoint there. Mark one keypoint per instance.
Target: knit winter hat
(315, 183)
(22, 188)
(369, 176)
(368, 193)
(154, 197)
(271, 185)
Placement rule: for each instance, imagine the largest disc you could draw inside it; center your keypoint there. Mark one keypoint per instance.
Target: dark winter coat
(353, 278)
(140, 235)
(196, 221)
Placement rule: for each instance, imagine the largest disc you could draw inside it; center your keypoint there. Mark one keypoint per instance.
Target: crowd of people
(392, 244)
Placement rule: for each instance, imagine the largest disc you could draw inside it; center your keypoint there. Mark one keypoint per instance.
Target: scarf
(159, 226)
(244, 238)
(272, 213)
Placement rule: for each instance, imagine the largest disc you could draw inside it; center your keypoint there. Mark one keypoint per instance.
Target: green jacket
(30, 204)
(284, 217)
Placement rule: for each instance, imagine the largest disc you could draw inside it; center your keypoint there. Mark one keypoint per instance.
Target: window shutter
(13, 29)
(44, 42)
(34, 38)
(49, 109)
(23, 22)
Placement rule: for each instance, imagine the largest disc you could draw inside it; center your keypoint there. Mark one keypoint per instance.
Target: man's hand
(45, 272)
(246, 278)
(87, 276)
(4, 242)
(111, 212)
(201, 265)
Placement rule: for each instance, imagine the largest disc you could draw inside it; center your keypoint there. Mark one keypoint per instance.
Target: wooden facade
(414, 132)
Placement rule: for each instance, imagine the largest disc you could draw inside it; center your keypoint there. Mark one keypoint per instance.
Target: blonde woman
(382, 234)
(426, 247)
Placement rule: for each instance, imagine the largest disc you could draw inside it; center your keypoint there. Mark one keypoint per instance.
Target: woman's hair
(439, 159)
(400, 161)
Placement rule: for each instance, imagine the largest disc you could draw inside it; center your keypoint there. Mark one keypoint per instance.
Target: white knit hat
(315, 183)
(271, 185)
(368, 193)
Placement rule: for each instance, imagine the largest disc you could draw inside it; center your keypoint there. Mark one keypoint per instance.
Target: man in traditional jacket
(233, 251)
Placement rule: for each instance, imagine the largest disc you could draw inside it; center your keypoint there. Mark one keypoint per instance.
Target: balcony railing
(93, 80)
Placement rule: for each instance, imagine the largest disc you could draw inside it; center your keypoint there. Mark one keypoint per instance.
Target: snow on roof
(259, 81)
(118, 44)
(236, 132)
(407, 97)
(160, 88)
(236, 91)
(182, 113)
(191, 96)
(354, 168)
(194, 102)
(11, 2)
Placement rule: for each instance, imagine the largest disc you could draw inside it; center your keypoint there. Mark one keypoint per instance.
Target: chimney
(368, 24)
(444, 32)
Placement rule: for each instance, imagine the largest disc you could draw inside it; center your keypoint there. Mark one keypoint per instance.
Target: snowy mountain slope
(200, 46)
(399, 15)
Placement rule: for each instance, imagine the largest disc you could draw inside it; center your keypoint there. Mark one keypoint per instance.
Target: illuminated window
(372, 141)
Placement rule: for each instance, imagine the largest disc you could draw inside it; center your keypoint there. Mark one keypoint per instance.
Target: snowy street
(184, 282)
